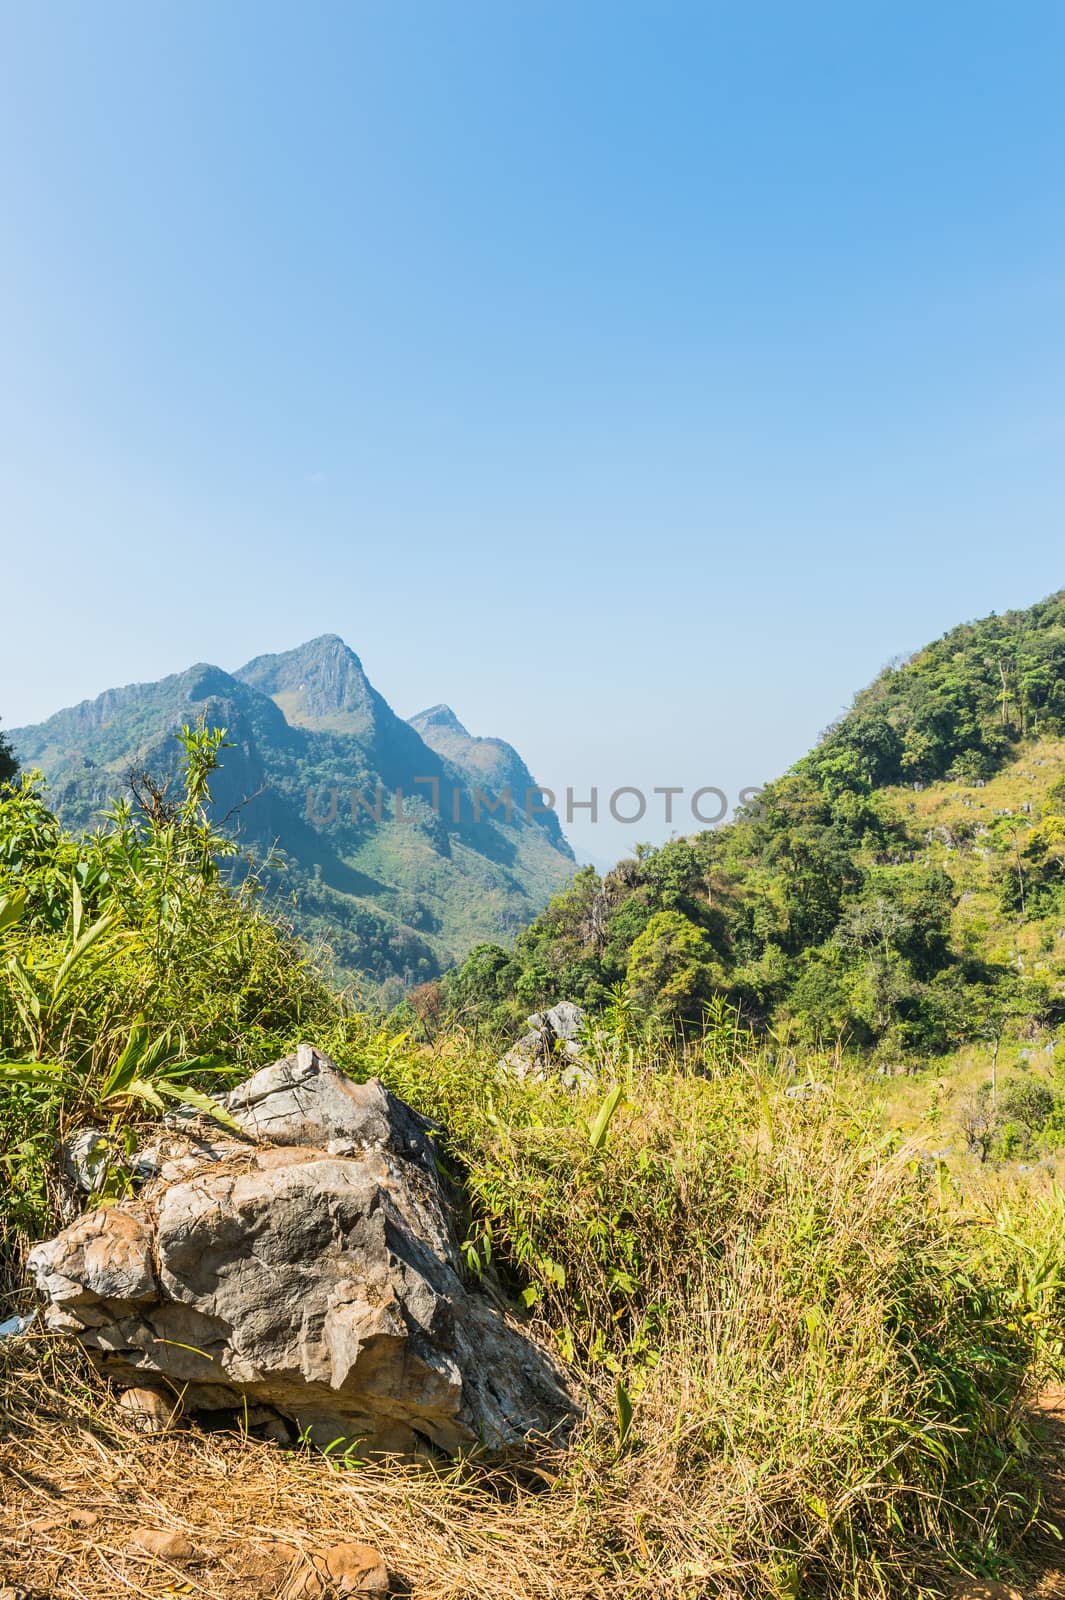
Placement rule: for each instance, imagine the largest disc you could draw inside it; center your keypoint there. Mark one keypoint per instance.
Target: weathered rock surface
(310, 1269)
(343, 1569)
(552, 1044)
(148, 1410)
(163, 1543)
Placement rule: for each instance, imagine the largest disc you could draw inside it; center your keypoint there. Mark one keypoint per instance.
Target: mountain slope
(490, 764)
(321, 685)
(902, 889)
(376, 840)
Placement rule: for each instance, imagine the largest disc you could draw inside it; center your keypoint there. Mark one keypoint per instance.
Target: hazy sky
(637, 378)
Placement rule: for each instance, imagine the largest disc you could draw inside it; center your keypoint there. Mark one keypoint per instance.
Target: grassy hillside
(997, 840)
(958, 708)
(808, 1356)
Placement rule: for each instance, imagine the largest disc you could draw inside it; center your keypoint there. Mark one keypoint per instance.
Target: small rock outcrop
(553, 1044)
(306, 1266)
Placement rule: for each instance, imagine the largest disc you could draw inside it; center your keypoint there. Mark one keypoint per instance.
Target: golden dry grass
(952, 810)
(76, 1481)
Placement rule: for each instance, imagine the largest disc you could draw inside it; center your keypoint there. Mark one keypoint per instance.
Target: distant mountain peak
(440, 716)
(320, 684)
(488, 763)
(205, 679)
(326, 644)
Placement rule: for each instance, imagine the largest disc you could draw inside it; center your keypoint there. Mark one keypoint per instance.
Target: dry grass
(76, 1481)
(828, 1384)
(828, 1362)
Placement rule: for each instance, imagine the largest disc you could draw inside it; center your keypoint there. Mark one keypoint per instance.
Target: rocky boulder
(552, 1044)
(307, 1267)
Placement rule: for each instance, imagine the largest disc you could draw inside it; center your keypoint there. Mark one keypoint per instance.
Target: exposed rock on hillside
(552, 1044)
(310, 1268)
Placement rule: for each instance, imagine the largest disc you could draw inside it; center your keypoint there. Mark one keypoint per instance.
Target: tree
(673, 967)
(8, 761)
(484, 983)
(977, 1118)
(1012, 999)
(426, 1000)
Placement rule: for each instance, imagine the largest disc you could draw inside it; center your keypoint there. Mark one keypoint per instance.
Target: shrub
(133, 973)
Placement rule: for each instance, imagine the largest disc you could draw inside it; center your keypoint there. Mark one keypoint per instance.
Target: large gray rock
(309, 1268)
(566, 1020)
(306, 1099)
(553, 1044)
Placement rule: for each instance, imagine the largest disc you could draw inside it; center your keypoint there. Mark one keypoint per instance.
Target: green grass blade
(11, 908)
(598, 1131)
(80, 949)
(199, 1101)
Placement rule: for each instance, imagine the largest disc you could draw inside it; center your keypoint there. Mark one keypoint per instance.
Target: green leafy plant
(133, 976)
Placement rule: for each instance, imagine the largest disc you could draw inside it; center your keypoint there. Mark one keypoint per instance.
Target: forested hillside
(901, 889)
(957, 709)
(8, 763)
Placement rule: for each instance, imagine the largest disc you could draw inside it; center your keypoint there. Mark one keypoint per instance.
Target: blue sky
(637, 378)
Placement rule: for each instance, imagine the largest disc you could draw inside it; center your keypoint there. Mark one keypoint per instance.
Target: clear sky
(637, 378)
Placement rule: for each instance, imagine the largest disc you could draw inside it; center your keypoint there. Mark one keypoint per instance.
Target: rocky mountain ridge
(369, 828)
